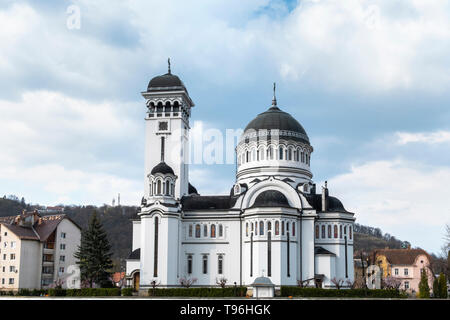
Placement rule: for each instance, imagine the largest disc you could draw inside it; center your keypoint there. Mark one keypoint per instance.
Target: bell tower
(167, 133)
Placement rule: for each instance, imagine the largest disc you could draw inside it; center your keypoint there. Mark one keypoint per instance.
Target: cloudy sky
(368, 80)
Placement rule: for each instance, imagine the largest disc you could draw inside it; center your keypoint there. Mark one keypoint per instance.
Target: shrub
(424, 289)
(56, 292)
(24, 292)
(198, 292)
(85, 292)
(127, 292)
(348, 293)
(442, 286)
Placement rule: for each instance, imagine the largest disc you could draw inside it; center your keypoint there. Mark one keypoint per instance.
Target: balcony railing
(49, 245)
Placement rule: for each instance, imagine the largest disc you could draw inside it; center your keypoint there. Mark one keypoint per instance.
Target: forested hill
(117, 224)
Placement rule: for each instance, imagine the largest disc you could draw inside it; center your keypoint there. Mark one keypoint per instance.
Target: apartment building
(37, 251)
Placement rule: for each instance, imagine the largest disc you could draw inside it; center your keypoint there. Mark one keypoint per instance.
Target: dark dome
(274, 118)
(164, 82)
(163, 168)
(271, 198)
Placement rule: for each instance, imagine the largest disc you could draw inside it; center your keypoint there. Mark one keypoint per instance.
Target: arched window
(220, 230)
(252, 226)
(256, 228)
(293, 229)
(220, 264)
(282, 228)
(213, 231)
(350, 231)
(247, 156)
(335, 231)
(323, 232)
(270, 153)
(269, 226)
(155, 256)
(197, 231)
(190, 230)
(158, 187)
(340, 231)
(280, 154)
(154, 189)
(289, 157)
(287, 228)
(246, 229)
(277, 228)
(151, 189)
(172, 185)
(189, 264)
(317, 232)
(205, 230)
(205, 264)
(345, 229)
(329, 231)
(303, 157)
(253, 154)
(261, 228)
(167, 188)
(298, 155)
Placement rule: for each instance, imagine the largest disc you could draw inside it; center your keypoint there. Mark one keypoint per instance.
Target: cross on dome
(274, 100)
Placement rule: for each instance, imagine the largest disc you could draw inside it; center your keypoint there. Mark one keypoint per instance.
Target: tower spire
(168, 62)
(274, 99)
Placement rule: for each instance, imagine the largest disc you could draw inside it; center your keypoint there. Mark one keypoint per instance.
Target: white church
(272, 224)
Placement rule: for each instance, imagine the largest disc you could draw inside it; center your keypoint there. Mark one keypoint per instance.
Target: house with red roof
(37, 251)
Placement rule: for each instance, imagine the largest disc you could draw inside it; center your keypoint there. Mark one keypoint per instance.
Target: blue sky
(368, 80)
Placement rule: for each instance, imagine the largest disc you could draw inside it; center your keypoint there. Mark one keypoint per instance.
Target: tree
(222, 282)
(391, 282)
(442, 286)
(337, 282)
(424, 289)
(187, 282)
(93, 255)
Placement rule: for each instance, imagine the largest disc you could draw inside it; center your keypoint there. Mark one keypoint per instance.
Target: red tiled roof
(401, 256)
(117, 276)
(41, 230)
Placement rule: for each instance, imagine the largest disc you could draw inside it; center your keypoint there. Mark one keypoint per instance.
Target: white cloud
(67, 147)
(327, 44)
(423, 137)
(398, 196)
(61, 184)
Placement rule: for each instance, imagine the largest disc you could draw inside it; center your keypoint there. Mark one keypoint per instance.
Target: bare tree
(304, 283)
(391, 283)
(350, 284)
(154, 284)
(187, 282)
(337, 282)
(222, 282)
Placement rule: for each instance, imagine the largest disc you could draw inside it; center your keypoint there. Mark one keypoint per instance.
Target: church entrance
(136, 278)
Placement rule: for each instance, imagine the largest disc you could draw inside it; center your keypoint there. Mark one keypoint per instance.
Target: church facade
(273, 223)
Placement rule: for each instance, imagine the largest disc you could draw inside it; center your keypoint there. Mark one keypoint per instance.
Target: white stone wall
(30, 264)
(136, 243)
(71, 242)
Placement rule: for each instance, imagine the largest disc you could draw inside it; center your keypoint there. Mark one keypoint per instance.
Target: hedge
(126, 292)
(85, 292)
(198, 292)
(286, 291)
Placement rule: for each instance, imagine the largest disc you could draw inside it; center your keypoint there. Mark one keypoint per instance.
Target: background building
(37, 251)
(405, 265)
